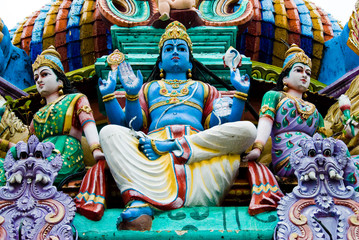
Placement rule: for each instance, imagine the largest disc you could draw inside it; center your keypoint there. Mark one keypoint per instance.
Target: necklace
(174, 94)
(304, 108)
(43, 113)
(175, 83)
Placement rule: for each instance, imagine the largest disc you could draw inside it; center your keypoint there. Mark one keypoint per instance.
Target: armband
(265, 108)
(85, 108)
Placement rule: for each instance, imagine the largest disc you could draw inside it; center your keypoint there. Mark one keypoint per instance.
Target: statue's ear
(190, 65)
(160, 65)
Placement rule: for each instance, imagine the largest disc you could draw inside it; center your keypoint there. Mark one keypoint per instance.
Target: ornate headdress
(49, 57)
(296, 55)
(175, 30)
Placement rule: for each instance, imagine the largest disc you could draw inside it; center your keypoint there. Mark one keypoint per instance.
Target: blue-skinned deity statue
(190, 153)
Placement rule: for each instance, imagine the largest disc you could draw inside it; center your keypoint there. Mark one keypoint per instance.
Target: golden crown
(294, 55)
(175, 30)
(49, 57)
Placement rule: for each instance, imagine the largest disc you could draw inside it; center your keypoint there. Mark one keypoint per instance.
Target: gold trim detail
(175, 30)
(258, 145)
(52, 104)
(95, 146)
(265, 108)
(305, 114)
(132, 97)
(108, 97)
(115, 58)
(299, 57)
(85, 108)
(240, 95)
(69, 114)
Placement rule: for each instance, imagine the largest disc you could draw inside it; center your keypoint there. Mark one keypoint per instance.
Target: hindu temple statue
(284, 115)
(322, 206)
(191, 153)
(288, 119)
(65, 115)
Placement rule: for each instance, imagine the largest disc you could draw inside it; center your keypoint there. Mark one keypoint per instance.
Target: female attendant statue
(284, 115)
(191, 154)
(65, 115)
(288, 118)
(61, 121)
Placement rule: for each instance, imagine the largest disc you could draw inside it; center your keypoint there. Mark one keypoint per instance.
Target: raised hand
(129, 81)
(240, 83)
(108, 86)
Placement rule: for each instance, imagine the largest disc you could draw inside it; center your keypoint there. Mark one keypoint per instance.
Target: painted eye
(38, 154)
(23, 155)
(327, 153)
(312, 153)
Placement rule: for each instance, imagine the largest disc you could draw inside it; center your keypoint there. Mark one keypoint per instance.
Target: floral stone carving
(30, 206)
(321, 206)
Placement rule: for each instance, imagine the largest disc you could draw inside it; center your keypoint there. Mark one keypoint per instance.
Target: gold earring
(305, 95)
(60, 90)
(189, 73)
(42, 102)
(285, 88)
(161, 73)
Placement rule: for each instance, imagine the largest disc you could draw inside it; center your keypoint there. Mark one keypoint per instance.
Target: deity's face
(298, 78)
(175, 56)
(46, 81)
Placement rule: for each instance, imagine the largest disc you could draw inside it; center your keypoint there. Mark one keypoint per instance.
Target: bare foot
(153, 149)
(138, 217)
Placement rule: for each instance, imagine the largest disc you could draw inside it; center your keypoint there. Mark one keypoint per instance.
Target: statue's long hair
(68, 88)
(279, 85)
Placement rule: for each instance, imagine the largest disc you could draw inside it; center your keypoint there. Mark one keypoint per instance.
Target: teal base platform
(185, 223)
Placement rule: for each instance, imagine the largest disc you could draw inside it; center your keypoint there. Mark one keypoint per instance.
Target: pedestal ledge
(185, 223)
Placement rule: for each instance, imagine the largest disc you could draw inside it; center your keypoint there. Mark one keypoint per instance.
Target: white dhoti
(199, 174)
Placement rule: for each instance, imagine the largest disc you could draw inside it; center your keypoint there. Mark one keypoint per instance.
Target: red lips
(175, 57)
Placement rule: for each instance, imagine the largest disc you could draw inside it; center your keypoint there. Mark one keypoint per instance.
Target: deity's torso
(175, 102)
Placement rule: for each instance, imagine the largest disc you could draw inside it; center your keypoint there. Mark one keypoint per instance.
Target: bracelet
(108, 97)
(258, 145)
(153, 145)
(131, 97)
(240, 96)
(95, 146)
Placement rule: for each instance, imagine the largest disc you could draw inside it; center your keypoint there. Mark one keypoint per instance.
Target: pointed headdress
(296, 55)
(50, 58)
(175, 30)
